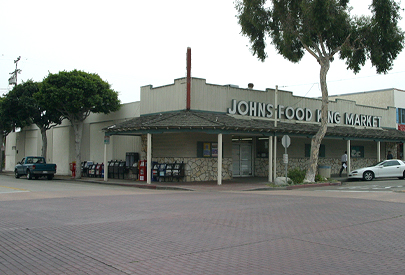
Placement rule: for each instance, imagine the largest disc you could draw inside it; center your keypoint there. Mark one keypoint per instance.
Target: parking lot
(72, 227)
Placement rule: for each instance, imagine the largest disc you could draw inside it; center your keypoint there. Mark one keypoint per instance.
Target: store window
(207, 149)
(308, 150)
(262, 148)
(357, 151)
(401, 116)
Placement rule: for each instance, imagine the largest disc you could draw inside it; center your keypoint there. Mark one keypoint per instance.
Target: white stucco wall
(61, 145)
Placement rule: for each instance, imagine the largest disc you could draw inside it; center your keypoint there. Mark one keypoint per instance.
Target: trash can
(324, 171)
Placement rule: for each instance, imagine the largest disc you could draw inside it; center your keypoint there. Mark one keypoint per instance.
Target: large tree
(26, 110)
(323, 28)
(75, 95)
(6, 126)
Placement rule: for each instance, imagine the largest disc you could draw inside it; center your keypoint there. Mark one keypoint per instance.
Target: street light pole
(13, 79)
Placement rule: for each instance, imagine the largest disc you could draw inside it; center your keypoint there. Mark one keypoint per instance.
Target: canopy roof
(209, 122)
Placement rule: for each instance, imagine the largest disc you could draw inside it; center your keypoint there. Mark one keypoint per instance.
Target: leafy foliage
(26, 110)
(296, 175)
(75, 94)
(323, 28)
(319, 178)
(6, 125)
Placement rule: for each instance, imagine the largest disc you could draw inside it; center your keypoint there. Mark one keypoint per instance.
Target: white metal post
(275, 106)
(275, 158)
(149, 159)
(270, 159)
(378, 151)
(219, 176)
(105, 162)
(348, 169)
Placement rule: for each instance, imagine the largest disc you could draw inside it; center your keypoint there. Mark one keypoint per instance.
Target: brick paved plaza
(131, 231)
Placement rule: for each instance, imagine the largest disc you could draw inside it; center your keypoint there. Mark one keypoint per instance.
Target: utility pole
(13, 78)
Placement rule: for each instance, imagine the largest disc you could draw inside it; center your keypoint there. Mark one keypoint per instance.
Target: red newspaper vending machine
(142, 170)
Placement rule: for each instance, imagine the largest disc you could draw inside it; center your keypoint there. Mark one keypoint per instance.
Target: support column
(105, 162)
(378, 151)
(403, 151)
(275, 158)
(219, 176)
(270, 159)
(149, 159)
(348, 169)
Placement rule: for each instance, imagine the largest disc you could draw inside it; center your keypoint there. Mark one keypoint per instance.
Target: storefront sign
(258, 109)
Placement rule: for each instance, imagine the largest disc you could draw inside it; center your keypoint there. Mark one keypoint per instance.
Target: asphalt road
(71, 227)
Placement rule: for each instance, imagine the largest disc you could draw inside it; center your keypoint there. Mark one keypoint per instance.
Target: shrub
(296, 175)
(319, 178)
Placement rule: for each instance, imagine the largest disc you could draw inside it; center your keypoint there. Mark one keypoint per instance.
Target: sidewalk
(236, 184)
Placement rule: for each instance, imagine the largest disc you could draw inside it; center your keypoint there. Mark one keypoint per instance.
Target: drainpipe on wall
(275, 137)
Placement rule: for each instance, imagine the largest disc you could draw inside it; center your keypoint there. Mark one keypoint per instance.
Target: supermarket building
(220, 132)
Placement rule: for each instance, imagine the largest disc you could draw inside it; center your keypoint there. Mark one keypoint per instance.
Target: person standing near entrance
(389, 156)
(344, 163)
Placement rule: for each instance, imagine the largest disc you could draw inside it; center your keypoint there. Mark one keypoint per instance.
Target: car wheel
(16, 174)
(29, 175)
(50, 177)
(368, 175)
(403, 176)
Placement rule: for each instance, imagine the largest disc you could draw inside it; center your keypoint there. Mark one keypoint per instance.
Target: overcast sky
(133, 43)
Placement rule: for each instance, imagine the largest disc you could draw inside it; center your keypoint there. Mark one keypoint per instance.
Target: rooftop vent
(231, 85)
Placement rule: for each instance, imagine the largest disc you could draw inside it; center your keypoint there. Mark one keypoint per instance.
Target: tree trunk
(44, 142)
(78, 128)
(317, 139)
(1, 152)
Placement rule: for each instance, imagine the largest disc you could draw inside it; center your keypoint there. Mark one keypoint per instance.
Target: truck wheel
(16, 174)
(29, 175)
(50, 177)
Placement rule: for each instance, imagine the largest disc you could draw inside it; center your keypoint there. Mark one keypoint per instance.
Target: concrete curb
(314, 185)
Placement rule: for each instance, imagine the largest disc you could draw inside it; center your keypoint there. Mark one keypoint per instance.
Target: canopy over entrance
(224, 123)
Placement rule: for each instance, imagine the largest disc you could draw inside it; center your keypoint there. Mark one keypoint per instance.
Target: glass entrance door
(242, 159)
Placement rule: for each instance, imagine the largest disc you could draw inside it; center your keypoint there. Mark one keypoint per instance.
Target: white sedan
(385, 169)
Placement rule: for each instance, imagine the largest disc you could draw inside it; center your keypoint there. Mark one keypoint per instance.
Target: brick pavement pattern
(201, 233)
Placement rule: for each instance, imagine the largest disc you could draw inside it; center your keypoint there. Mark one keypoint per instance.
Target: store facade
(222, 131)
(197, 123)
